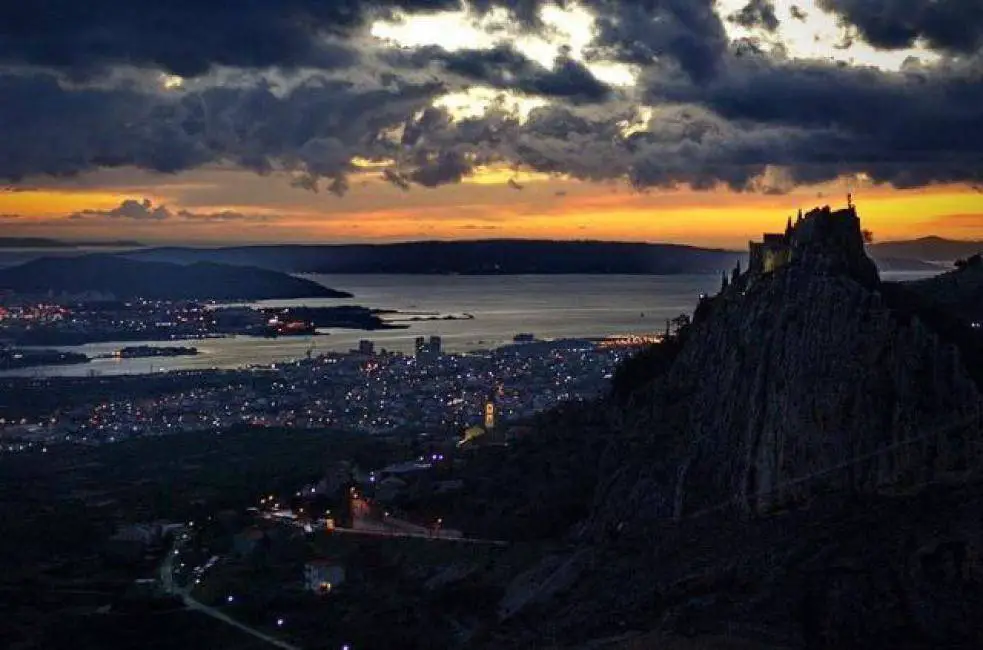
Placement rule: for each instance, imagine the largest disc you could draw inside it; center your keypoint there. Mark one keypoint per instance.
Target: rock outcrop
(798, 468)
(792, 382)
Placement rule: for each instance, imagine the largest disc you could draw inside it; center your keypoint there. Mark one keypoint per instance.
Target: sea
(547, 306)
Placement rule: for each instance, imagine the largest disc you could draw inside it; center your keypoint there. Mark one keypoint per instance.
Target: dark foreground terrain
(798, 467)
(65, 584)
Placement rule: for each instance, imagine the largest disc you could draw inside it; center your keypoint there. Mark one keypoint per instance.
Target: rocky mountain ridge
(794, 474)
(792, 373)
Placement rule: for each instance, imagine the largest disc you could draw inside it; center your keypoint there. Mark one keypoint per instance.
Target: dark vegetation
(32, 398)
(973, 261)
(908, 300)
(397, 593)
(959, 291)
(644, 367)
(539, 486)
(60, 507)
(128, 279)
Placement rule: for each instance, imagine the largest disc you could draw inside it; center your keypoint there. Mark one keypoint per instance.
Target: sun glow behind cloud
(820, 37)
(499, 201)
(571, 27)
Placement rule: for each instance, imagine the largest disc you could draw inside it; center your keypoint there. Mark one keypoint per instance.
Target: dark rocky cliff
(794, 381)
(800, 471)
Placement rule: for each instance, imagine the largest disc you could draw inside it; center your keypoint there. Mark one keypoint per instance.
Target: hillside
(125, 279)
(926, 249)
(959, 291)
(464, 257)
(796, 470)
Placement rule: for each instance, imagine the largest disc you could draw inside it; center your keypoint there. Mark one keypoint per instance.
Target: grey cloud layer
(724, 111)
(146, 211)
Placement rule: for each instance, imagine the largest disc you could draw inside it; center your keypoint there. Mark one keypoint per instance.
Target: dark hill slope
(927, 249)
(125, 279)
(799, 472)
(959, 291)
(791, 375)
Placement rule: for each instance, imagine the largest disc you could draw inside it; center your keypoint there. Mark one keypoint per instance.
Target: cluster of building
(56, 324)
(36, 313)
(361, 390)
(427, 350)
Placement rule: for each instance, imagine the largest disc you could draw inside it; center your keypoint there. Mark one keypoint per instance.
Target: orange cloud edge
(483, 206)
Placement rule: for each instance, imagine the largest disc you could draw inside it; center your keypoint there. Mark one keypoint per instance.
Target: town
(364, 390)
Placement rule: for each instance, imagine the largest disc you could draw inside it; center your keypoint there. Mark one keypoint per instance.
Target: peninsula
(119, 278)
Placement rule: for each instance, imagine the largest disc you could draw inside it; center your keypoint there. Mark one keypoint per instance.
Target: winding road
(167, 581)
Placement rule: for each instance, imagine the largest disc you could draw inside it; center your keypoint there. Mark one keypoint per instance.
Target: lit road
(167, 581)
(380, 532)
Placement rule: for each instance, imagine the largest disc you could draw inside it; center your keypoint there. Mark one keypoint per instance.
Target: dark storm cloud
(185, 37)
(189, 37)
(46, 128)
(908, 128)
(950, 25)
(724, 112)
(757, 14)
(688, 32)
(504, 68)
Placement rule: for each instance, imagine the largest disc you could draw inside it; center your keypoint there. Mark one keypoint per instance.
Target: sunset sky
(668, 120)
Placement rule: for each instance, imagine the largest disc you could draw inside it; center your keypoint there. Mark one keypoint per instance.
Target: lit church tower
(490, 414)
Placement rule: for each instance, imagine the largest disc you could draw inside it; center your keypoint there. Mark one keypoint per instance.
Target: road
(167, 581)
(385, 533)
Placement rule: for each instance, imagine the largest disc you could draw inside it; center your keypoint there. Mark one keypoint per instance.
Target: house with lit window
(322, 576)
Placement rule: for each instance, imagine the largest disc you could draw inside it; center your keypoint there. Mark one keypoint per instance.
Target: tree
(867, 235)
(974, 260)
(681, 322)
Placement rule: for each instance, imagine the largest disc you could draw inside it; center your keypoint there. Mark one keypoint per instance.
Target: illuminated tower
(490, 414)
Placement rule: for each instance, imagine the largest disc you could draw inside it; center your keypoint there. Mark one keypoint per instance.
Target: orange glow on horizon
(482, 208)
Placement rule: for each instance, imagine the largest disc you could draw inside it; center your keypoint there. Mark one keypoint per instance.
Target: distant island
(305, 320)
(416, 318)
(481, 257)
(44, 242)
(926, 249)
(119, 278)
(520, 256)
(16, 358)
(143, 351)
